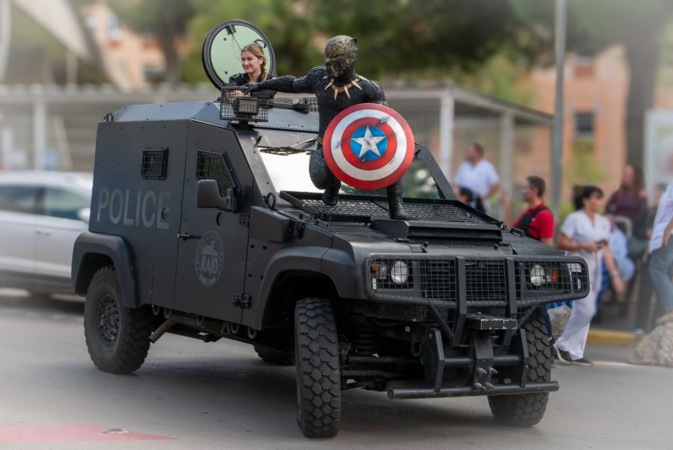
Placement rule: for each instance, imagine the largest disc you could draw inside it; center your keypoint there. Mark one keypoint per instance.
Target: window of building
(584, 67)
(584, 126)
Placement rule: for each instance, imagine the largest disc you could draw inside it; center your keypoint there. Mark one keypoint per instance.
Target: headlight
(399, 273)
(537, 275)
(380, 271)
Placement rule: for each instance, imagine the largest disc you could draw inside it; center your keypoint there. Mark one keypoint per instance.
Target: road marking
(70, 433)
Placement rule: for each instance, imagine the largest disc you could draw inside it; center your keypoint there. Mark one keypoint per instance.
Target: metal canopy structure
(56, 17)
(38, 119)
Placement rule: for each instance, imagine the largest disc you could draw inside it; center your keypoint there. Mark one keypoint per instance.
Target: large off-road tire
(318, 372)
(528, 409)
(274, 357)
(117, 337)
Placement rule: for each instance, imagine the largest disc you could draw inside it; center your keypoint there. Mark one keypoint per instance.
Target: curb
(612, 337)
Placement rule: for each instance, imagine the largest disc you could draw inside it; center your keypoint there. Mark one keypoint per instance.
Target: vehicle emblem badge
(209, 258)
(368, 146)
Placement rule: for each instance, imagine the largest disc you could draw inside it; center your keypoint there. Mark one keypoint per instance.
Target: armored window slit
(215, 166)
(154, 164)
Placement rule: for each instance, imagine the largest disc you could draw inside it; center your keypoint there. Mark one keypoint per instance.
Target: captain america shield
(368, 146)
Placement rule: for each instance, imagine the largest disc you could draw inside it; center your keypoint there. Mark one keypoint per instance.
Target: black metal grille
(377, 208)
(235, 106)
(213, 166)
(154, 164)
(548, 280)
(485, 280)
(439, 279)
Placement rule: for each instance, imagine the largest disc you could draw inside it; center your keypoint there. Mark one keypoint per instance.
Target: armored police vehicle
(204, 223)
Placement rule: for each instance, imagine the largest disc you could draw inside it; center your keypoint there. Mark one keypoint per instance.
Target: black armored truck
(204, 223)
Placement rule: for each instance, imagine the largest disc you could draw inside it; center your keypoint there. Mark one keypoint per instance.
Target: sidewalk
(612, 329)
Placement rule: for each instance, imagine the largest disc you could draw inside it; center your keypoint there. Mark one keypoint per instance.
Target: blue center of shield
(368, 143)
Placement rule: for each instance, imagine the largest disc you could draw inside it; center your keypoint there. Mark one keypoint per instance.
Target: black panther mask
(340, 55)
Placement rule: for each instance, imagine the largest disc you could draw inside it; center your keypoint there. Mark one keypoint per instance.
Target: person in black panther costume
(336, 87)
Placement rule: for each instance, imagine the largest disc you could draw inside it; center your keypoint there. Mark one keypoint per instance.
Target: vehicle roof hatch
(221, 52)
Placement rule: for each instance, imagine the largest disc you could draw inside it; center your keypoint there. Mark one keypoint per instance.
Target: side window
(65, 204)
(216, 166)
(19, 198)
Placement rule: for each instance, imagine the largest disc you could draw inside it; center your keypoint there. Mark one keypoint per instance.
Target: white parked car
(41, 215)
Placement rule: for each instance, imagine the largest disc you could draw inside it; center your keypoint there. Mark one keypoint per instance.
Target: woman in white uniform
(585, 233)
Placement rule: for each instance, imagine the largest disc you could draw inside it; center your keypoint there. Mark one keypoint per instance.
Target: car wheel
(274, 357)
(318, 372)
(528, 409)
(117, 338)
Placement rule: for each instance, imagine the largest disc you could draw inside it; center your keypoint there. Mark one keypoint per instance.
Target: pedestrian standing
(661, 254)
(478, 175)
(639, 248)
(537, 222)
(585, 233)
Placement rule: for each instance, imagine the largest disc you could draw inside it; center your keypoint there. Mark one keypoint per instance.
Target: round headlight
(537, 275)
(399, 273)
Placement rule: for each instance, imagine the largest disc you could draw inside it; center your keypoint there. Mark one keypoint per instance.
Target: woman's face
(593, 204)
(628, 177)
(252, 65)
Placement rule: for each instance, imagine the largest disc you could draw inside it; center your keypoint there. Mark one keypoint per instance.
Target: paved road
(219, 395)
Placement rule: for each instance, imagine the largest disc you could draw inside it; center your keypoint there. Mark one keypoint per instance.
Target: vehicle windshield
(289, 172)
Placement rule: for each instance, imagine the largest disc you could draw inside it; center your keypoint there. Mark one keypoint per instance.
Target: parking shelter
(54, 127)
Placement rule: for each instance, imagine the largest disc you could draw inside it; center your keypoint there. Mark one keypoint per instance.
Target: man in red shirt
(537, 221)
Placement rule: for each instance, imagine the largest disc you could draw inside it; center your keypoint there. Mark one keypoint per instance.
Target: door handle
(187, 236)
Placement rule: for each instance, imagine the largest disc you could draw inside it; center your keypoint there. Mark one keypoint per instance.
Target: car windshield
(289, 172)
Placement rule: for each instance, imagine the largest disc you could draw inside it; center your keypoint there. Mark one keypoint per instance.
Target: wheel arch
(93, 251)
(291, 286)
(293, 270)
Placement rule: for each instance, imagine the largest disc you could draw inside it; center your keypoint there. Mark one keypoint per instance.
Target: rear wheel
(528, 409)
(117, 338)
(318, 372)
(274, 357)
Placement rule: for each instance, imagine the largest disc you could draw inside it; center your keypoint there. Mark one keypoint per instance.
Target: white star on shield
(368, 143)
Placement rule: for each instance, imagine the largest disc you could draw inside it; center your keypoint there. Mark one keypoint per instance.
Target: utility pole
(557, 132)
(5, 35)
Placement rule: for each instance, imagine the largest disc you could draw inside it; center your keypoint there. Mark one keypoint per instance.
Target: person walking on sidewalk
(661, 254)
(585, 233)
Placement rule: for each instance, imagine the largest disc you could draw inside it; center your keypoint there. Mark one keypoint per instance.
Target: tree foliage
(429, 39)
(165, 19)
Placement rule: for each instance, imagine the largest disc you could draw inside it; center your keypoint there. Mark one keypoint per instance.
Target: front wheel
(528, 409)
(318, 371)
(117, 338)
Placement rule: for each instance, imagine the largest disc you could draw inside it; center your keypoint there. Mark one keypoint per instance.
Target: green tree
(288, 25)
(596, 24)
(429, 38)
(166, 20)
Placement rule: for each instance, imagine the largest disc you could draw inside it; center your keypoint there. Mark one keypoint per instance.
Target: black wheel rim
(108, 320)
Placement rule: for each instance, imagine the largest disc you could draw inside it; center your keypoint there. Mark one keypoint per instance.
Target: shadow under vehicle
(204, 223)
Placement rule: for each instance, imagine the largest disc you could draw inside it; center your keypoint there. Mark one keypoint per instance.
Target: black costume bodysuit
(333, 97)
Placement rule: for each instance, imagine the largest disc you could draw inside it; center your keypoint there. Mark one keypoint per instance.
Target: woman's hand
(592, 247)
(618, 284)
(231, 95)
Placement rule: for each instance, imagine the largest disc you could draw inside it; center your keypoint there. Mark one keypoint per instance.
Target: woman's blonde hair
(257, 51)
